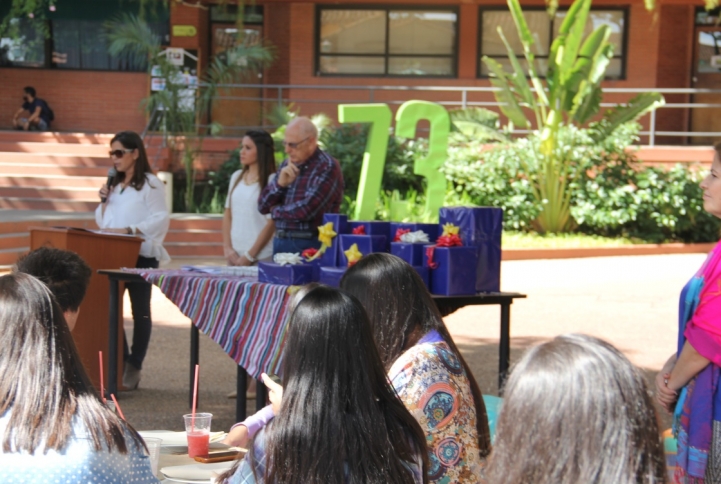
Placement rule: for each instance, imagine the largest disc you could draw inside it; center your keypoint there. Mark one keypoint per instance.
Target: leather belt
(296, 234)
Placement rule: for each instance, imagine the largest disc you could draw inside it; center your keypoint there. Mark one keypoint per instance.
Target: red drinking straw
(195, 397)
(102, 384)
(117, 407)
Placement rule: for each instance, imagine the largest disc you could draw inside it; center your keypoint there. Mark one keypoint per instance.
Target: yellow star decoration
(326, 234)
(353, 254)
(450, 229)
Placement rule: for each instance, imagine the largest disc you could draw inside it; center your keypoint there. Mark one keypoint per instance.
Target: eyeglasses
(296, 144)
(119, 153)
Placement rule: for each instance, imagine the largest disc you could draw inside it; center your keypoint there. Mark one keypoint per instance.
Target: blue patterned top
(432, 383)
(79, 462)
(244, 473)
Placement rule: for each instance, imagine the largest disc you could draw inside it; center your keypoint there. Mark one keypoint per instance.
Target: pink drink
(198, 443)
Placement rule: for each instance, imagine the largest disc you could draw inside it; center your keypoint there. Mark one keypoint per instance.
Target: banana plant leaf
(509, 104)
(636, 107)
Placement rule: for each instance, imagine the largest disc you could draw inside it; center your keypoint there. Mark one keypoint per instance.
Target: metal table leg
(194, 360)
(504, 350)
(113, 337)
(261, 395)
(241, 410)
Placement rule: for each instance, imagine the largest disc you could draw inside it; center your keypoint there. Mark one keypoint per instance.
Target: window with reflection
(72, 36)
(386, 42)
(544, 29)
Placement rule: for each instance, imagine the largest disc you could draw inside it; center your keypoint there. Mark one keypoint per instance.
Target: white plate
(195, 473)
(178, 442)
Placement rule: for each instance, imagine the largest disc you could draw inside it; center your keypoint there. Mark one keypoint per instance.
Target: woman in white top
(135, 204)
(247, 234)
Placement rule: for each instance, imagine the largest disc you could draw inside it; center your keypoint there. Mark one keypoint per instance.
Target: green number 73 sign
(374, 158)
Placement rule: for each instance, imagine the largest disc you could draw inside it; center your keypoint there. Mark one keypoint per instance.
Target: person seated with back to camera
(423, 364)
(309, 184)
(337, 417)
(53, 425)
(575, 410)
(65, 273)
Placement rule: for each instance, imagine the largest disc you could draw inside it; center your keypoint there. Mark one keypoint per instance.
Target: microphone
(111, 174)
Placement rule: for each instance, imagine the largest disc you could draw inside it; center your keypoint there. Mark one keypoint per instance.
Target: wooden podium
(100, 251)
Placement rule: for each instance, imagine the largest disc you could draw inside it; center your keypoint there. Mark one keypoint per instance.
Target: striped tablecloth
(247, 318)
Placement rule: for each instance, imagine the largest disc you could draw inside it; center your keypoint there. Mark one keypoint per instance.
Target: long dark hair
(44, 385)
(401, 311)
(132, 141)
(340, 420)
(576, 410)
(266, 158)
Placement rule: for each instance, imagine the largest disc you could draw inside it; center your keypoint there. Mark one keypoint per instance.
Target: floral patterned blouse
(432, 383)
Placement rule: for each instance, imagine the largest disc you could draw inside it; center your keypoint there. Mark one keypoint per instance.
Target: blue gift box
(366, 245)
(331, 276)
(411, 253)
(288, 275)
(480, 227)
(433, 230)
(425, 274)
(374, 228)
(331, 256)
(455, 274)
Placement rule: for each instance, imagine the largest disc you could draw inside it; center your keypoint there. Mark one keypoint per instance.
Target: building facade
(330, 52)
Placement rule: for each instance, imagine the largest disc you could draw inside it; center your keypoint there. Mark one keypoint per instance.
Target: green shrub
(613, 193)
(347, 142)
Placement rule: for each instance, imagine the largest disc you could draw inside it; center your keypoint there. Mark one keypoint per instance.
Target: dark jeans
(142, 324)
(282, 245)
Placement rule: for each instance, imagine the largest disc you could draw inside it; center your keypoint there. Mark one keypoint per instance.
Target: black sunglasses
(119, 153)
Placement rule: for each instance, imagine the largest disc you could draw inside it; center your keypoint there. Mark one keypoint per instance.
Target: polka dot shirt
(78, 463)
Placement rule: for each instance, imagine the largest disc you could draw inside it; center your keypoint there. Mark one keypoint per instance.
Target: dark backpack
(51, 114)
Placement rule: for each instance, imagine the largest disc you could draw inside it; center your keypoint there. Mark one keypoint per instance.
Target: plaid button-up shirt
(318, 189)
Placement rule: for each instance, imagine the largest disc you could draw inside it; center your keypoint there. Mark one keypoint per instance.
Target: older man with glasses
(309, 184)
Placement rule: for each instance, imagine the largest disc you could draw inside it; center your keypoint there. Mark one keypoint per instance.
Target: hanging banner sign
(184, 31)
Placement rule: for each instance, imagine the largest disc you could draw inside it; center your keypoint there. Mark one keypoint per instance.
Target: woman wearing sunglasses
(134, 204)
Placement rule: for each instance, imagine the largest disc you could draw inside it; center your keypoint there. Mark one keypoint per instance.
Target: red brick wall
(93, 101)
(181, 14)
(674, 65)
(641, 66)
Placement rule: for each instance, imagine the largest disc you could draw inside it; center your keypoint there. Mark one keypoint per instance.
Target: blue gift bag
(288, 275)
(331, 276)
(366, 244)
(340, 225)
(411, 253)
(374, 228)
(455, 274)
(480, 227)
(433, 230)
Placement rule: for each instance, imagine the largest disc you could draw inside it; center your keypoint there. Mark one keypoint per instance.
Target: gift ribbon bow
(353, 255)
(360, 230)
(429, 254)
(449, 238)
(309, 254)
(326, 234)
(287, 258)
(452, 240)
(450, 229)
(416, 237)
(399, 234)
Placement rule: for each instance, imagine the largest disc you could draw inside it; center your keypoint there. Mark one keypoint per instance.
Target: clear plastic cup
(153, 445)
(198, 431)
